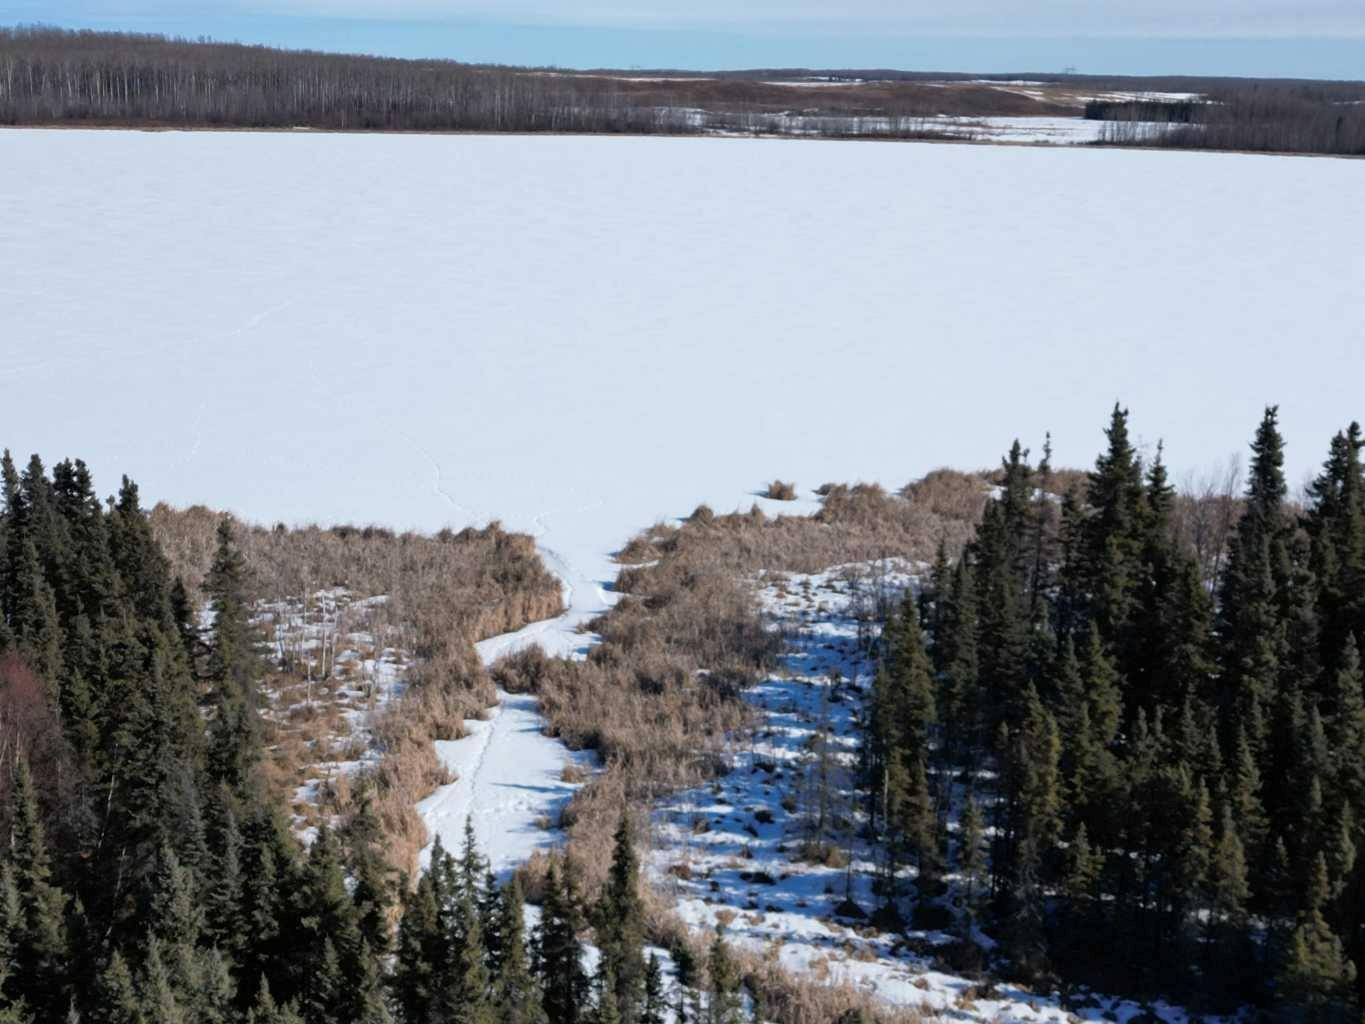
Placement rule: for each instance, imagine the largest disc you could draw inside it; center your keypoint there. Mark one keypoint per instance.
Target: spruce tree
(372, 892)
(1346, 731)
(1252, 628)
(1317, 975)
(233, 668)
(559, 953)
(725, 1004)
(515, 991)
(40, 944)
(620, 926)
(324, 917)
(971, 862)
(654, 1009)
(418, 950)
(962, 711)
(467, 995)
(607, 1011)
(115, 999)
(224, 886)
(160, 1001)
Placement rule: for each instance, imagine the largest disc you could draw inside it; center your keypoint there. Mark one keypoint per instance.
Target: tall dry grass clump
(780, 490)
(444, 592)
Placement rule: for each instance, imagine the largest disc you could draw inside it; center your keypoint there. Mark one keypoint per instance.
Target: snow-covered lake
(579, 335)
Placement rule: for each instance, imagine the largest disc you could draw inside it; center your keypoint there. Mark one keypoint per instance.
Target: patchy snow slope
(730, 853)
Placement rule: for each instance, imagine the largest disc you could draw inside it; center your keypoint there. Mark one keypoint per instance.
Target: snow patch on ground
(339, 665)
(510, 784)
(729, 854)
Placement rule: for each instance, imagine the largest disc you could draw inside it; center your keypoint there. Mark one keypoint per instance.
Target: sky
(1288, 38)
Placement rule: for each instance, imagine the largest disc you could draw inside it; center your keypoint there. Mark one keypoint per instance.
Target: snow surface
(510, 777)
(583, 335)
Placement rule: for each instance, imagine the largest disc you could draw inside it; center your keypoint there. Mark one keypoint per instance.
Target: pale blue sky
(1309, 38)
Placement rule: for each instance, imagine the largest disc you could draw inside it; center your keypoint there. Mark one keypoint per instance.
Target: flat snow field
(581, 335)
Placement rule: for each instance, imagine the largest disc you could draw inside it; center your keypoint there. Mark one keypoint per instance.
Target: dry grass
(444, 593)
(785, 995)
(475, 583)
(780, 490)
(657, 698)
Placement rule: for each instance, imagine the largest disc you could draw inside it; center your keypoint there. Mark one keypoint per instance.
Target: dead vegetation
(780, 490)
(332, 734)
(659, 695)
(785, 995)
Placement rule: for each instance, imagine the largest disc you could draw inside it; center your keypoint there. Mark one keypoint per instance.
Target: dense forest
(52, 76)
(150, 878)
(1142, 777)
(1285, 117)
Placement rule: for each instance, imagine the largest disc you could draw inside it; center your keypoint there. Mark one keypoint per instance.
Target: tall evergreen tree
(559, 952)
(39, 942)
(515, 991)
(725, 1004)
(233, 668)
(620, 927)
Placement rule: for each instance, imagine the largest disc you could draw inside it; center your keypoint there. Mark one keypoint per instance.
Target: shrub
(779, 490)
(702, 514)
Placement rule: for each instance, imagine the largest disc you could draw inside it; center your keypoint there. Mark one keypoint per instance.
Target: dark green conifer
(40, 945)
(725, 1003)
(115, 999)
(515, 991)
(1317, 974)
(418, 950)
(233, 668)
(559, 953)
(654, 1009)
(620, 927)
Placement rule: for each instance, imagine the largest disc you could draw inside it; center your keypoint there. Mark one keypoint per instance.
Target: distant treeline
(1294, 117)
(51, 76)
(54, 76)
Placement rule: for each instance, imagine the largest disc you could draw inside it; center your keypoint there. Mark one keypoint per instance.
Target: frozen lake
(580, 335)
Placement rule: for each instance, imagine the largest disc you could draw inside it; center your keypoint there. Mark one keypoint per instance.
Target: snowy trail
(510, 774)
(584, 598)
